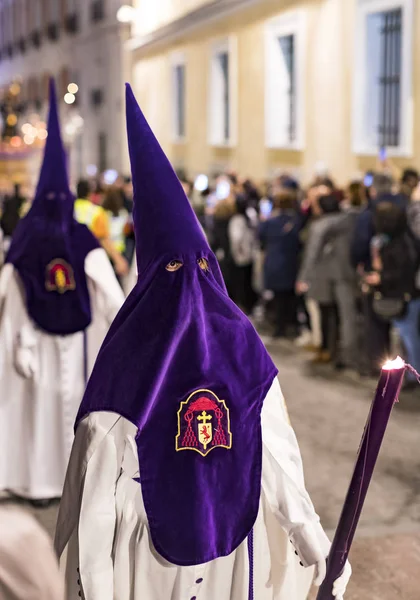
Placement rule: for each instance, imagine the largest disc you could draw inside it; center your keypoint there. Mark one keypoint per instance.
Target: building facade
(264, 85)
(76, 41)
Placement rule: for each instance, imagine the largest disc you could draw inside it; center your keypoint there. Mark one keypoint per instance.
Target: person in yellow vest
(96, 218)
(118, 217)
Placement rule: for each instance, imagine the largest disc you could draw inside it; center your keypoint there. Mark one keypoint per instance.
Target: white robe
(42, 382)
(103, 522)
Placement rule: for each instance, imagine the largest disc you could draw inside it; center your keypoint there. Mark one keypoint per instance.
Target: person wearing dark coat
(395, 262)
(377, 331)
(220, 242)
(280, 239)
(12, 207)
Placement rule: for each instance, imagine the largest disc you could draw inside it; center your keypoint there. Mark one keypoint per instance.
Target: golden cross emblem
(204, 417)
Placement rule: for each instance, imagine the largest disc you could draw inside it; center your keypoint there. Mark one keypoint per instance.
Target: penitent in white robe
(103, 523)
(42, 381)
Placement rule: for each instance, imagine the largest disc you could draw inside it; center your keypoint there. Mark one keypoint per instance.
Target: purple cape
(49, 247)
(186, 366)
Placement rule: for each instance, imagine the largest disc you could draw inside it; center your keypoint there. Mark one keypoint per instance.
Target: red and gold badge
(203, 423)
(59, 277)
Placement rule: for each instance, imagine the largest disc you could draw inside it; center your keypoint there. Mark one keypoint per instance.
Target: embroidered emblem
(59, 277)
(203, 423)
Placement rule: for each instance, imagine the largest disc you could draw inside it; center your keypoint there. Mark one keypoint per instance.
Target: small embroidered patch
(203, 423)
(59, 277)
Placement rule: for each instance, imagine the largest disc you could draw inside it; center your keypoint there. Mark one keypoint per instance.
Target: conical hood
(53, 178)
(165, 224)
(49, 247)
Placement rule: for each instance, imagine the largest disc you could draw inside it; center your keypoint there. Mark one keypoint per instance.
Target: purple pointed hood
(165, 224)
(49, 247)
(185, 365)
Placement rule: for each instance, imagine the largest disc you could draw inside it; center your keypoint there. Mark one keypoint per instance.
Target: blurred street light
(11, 120)
(69, 98)
(72, 88)
(126, 14)
(16, 142)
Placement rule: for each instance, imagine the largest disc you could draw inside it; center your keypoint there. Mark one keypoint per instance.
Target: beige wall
(329, 73)
(152, 14)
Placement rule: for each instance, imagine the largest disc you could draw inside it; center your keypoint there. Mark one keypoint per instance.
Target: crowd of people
(106, 209)
(333, 269)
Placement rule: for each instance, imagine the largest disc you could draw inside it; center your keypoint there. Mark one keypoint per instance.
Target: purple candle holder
(387, 393)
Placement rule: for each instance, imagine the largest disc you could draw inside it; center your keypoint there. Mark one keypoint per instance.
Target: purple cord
(251, 565)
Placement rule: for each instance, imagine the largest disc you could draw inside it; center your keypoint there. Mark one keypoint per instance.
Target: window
(382, 84)
(38, 14)
(97, 10)
(53, 11)
(223, 93)
(71, 18)
(178, 70)
(284, 81)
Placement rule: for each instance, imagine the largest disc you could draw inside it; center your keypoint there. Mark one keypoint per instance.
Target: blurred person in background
(96, 193)
(380, 191)
(392, 279)
(96, 219)
(242, 241)
(309, 208)
(409, 182)
(377, 331)
(11, 213)
(335, 287)
(223, 211)
(280, 240)
(127, 195)
(314, 277)
(58, 297)
(118, 218)
(28, 564)
(356, 197)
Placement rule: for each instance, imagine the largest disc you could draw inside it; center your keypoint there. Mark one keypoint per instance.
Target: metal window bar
(180, 100)
(389, 133)
(224, 63)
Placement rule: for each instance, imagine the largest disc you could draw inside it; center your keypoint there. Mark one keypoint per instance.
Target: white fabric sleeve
(100, 271)
(6, 275)
(283, 481)
(89, 435)
(25, 351)
(89, 500)
(97, 523)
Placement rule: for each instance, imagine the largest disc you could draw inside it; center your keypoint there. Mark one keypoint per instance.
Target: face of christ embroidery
(203, 423)
(59, 277)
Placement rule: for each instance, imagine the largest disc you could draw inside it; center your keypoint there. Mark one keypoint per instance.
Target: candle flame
(397, 363)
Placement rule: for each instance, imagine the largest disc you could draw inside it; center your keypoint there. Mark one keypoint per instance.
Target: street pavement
(328, 413)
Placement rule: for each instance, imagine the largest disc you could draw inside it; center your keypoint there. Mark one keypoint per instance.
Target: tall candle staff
(387, 393)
